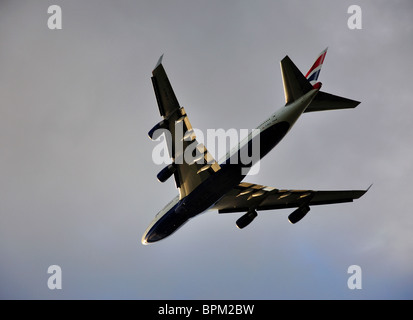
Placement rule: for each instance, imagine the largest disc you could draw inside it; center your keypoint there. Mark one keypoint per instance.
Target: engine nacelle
(166, 173)
(246, 219)
(298, 214)
(153, 133)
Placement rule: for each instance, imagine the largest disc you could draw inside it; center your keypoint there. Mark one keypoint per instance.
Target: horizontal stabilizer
(326, 101)
(295, 84)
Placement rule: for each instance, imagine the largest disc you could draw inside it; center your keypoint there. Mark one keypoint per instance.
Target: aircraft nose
(151, 236)
(146, 239)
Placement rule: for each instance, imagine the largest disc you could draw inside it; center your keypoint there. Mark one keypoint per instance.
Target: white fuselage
(289, 113)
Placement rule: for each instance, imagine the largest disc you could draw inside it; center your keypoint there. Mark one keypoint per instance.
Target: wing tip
(363, 192)
(159, 62)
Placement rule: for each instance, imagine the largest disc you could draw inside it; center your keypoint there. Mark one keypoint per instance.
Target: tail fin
(325, 101)
(295, 84)
(314, 72)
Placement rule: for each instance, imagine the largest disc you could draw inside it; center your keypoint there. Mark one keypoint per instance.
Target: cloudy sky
(78, 185)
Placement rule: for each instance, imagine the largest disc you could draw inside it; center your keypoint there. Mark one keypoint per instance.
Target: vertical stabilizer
(314, 72)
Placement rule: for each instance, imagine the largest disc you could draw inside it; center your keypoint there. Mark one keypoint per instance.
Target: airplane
(213, 185)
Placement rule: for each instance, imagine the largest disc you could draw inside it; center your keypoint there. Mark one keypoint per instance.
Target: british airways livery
(204, 183)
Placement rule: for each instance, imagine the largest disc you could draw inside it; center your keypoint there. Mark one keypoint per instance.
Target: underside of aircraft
(204, 183)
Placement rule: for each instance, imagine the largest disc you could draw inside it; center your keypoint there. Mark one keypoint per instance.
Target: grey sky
(78, 186)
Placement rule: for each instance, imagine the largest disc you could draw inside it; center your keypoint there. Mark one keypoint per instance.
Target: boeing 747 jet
(203, 183)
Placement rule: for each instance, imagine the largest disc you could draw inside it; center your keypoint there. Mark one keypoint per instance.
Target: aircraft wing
(192, 163)
(248, 196)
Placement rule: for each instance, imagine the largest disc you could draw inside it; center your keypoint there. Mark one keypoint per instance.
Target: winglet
(159, 62)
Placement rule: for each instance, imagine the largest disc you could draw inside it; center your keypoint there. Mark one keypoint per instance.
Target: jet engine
(166, 173)
(161, 125)
(298, 214)
(246, 219)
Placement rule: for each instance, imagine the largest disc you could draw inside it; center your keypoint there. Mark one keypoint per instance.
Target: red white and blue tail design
(314, 72)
